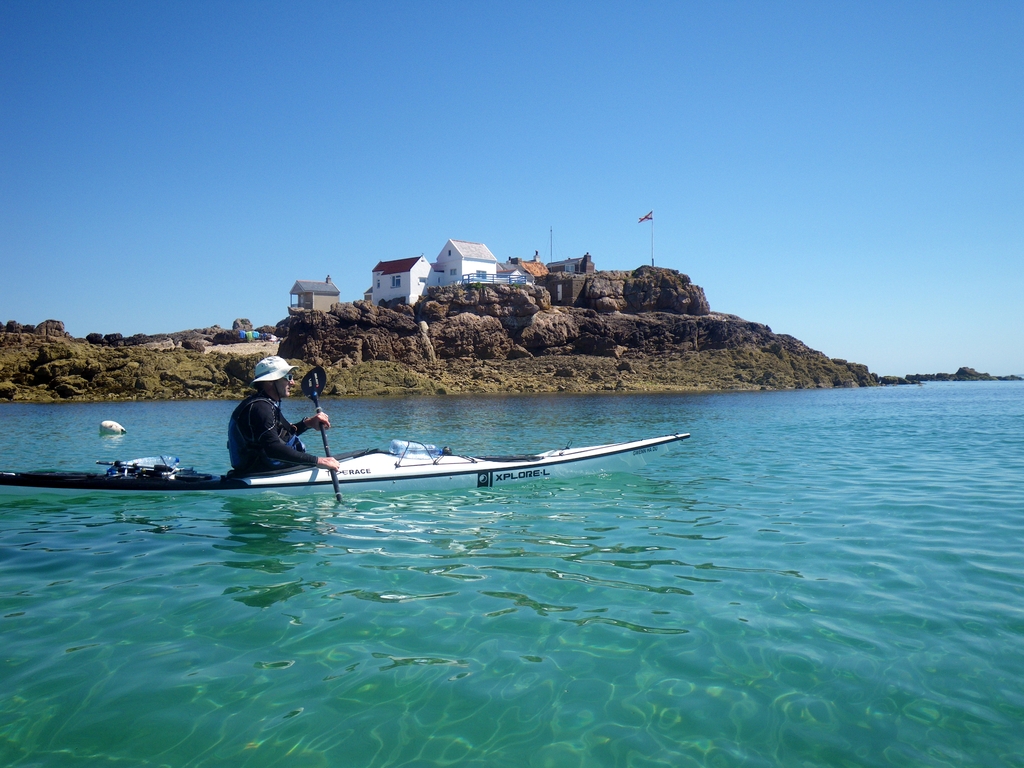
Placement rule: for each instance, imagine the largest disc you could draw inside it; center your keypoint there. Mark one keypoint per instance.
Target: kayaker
(260, 438)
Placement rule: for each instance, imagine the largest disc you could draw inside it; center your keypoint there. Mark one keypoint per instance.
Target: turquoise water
(814, 578)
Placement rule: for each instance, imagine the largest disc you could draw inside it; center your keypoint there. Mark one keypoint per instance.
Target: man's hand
(314, 421)
(328, 462)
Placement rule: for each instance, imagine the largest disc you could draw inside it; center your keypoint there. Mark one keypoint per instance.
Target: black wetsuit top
(261, 439)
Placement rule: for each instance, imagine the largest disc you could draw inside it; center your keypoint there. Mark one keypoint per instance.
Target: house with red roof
(404, 279)
(459, 262)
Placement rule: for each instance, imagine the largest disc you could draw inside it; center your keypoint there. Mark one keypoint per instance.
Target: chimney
(328, 279)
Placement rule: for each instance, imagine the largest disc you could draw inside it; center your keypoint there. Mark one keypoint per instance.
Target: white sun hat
(272, 369)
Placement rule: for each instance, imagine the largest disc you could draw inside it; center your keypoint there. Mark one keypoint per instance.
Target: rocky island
(963, 374)
(649, 330)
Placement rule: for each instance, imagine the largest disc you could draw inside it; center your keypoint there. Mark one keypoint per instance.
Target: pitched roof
(535, 268)
(565, 262)
(397, 266)
(474, 250)
(313, 286)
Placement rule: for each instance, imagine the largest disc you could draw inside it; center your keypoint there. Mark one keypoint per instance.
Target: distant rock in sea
(962, 374)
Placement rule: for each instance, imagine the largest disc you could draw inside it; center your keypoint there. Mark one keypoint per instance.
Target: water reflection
(548, 554)
(270, 540)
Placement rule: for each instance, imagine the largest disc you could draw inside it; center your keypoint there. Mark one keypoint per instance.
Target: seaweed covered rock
(73, 370)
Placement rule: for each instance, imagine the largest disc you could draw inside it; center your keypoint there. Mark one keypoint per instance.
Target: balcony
(483, 277)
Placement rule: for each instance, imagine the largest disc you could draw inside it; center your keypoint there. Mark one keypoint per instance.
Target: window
(396, 281)
(481, 274)
(452, 271)
(378, 282)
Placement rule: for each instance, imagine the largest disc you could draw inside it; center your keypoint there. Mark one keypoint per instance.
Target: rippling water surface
(814, 578)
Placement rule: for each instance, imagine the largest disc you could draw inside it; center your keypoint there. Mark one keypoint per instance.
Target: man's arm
(312, 422)
(263, 427)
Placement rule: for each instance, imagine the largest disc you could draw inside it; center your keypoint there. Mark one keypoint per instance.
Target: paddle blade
(313, 383)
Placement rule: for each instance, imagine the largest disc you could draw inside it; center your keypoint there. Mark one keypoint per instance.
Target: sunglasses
(289, 377)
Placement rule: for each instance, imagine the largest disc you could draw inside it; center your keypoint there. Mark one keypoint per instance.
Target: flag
(648, 217)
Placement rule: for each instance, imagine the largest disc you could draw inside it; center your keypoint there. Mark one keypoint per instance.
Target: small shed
(564, 287)
(310, 294)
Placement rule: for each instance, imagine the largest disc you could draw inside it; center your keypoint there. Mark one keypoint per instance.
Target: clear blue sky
(848, 173)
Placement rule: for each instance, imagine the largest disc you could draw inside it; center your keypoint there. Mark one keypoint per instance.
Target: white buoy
(111, 428)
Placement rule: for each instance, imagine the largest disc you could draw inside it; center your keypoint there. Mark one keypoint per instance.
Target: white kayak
(415, 468)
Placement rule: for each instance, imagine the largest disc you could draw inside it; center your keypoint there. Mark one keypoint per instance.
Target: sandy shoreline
(262, 348)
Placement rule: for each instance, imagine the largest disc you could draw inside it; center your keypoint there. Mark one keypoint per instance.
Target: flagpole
(650, 217)
(652, 241)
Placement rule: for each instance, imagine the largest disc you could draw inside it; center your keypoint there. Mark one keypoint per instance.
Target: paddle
(313, 384)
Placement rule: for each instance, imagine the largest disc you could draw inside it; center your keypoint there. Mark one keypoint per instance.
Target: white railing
(486, 278)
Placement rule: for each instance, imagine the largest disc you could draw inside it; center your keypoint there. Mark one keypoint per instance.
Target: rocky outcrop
(353, 333)
(464, 325)
(195, 338)
(512, 305)
(646, 330)
(76, 370)
(472, 336)
(497, 322)
(647, 289)
(550, 331)
(518, 327)
(963, 374)
(14, 334)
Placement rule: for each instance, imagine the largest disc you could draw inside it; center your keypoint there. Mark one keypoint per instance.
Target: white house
(462, 259)
(400, 279)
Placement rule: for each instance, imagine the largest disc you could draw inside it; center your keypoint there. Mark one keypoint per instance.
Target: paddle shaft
(327, 450)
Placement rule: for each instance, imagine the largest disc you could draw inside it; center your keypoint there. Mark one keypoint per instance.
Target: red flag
(648, 217)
